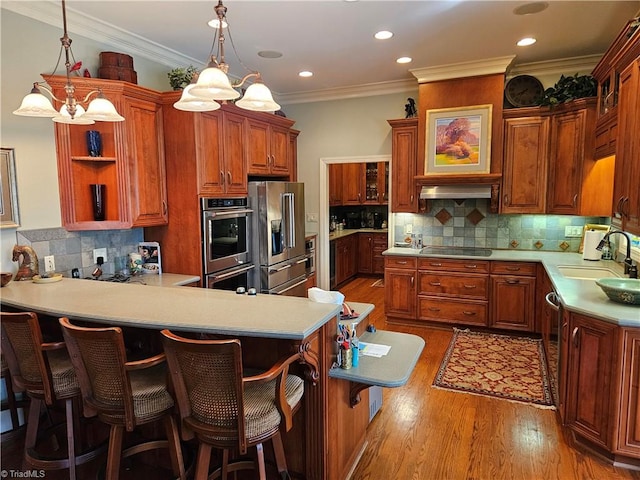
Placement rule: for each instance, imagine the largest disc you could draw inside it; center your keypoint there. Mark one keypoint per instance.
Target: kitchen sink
(586, 273)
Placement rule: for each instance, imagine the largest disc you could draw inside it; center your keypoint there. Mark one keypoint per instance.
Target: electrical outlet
(408, 228)
(312, 217)
(572, 231)
(49, 264)
(99, 252)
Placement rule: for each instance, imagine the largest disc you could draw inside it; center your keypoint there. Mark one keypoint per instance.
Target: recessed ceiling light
(404, 60)
(383, 35)
(269, 54)
(525, 42)
(531, 8)
(306, 73)
(215, 23)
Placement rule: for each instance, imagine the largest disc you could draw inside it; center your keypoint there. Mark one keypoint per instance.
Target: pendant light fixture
(214, 84)
(36, 104)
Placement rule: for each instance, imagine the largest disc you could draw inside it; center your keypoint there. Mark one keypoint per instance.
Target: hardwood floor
(424, 433)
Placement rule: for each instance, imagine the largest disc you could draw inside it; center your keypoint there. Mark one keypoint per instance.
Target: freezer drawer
(283, 272)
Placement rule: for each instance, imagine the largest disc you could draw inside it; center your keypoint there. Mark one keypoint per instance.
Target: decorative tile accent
(538, 244)
(564, 245)
(443, 216)
(459, 201)
(475, 216)
(514, 244)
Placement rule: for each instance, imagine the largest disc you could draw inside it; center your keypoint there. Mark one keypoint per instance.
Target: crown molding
(474, 68)
(99, 31)
(556, 67)
(341, 93)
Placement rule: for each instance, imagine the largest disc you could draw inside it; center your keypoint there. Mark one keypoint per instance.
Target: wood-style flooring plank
(425, 433)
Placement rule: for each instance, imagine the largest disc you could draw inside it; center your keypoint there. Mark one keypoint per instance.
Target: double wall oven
(226, 236)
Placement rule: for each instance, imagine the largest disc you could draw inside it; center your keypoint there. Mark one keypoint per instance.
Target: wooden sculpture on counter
(28, 266)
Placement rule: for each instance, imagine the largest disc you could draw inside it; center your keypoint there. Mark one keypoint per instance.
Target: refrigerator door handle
(290, 219)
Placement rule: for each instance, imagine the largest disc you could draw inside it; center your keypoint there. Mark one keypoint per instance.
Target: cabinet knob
(513, 282)
(468, 313)
(575, 337)
(230, 178)
(435, 264)
(575, 200)
(435, 284)
(221, 177)
(470, 287)
(506, 199)
(471, 265)
(513, 269)
(433, 309)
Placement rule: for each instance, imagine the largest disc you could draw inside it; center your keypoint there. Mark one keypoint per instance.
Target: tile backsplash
(75, 249)
(470, 224)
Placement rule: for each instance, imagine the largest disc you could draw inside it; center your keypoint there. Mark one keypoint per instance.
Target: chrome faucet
(629, 268)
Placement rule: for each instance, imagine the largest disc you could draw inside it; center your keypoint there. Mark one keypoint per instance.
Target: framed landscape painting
(458, 140)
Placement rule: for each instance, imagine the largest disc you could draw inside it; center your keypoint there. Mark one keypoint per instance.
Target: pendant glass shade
(78, 118)
(35, 104)
(102, 110)
(214, 84)
(191, 103)
(258, 98)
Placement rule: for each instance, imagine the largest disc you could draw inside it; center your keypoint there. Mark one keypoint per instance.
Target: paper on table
(374, 349)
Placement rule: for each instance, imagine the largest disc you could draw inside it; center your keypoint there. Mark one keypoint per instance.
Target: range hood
(455, 191)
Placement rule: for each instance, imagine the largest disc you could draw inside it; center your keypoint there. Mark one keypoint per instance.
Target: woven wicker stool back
(44, 371)
(123, 394)
(226, 410)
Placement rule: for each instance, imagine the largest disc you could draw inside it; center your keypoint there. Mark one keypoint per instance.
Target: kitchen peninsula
(269, 326)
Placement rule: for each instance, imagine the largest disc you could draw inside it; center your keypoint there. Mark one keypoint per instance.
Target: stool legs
(115, 450)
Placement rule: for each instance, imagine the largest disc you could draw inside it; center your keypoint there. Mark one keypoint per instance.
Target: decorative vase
(98, 192)
(94, 143)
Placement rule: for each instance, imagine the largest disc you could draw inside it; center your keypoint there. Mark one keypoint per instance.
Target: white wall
(30, 48)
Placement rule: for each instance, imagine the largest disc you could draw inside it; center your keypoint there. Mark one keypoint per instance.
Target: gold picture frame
(9, 213)
(458, 140)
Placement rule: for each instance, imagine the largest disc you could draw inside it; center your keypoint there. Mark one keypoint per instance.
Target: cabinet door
(335, 184)
(525, 165)
(591, 357)
(404, 152)
(352, 183)
(512, 300)
(145, 155)
(279, 151)
(565, 162)
(380, 244)
(235, 165)
(365, 253)
(209, 139)
(258, 148)
(627, 171)
(629, 430)
(351, 244)
(400, 293)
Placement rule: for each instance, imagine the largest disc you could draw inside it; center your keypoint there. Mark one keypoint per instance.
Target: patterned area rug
(511, 368)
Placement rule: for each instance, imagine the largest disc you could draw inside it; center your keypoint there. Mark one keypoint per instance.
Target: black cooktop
(461, 251)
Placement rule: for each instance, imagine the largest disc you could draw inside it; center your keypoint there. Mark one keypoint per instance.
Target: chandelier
(214, 84)
(36, 104)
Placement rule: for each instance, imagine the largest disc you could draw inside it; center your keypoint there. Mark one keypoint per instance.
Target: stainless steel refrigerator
(277, 237)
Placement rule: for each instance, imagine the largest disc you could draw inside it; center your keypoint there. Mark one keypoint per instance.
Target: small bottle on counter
(355, 346)
(606, 252)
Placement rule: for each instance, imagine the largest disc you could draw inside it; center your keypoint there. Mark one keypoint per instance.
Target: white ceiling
(334, 39)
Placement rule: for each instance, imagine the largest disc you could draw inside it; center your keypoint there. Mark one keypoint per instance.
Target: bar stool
(225, 410)
(123, 394)
(12, 403)
(45, 372)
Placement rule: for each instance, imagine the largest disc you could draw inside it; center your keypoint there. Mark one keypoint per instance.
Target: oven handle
(234, 273)
(228, 213)
(291, 287)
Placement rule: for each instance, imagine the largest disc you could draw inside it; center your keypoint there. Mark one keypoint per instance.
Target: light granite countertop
(181, 309)
(581, 296)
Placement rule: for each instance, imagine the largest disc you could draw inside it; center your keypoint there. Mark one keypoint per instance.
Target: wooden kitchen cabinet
(404, 158)
(626, 196)
(376, 185)
(352, 184)
(453, 291)
(628, 423)
(370, 248)
(268, 147)
(513, 289)
(524, 181)
(591, 361)
(561, 176)
(132, 165)
(335, 184)
(346, 258)
(400, 287)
